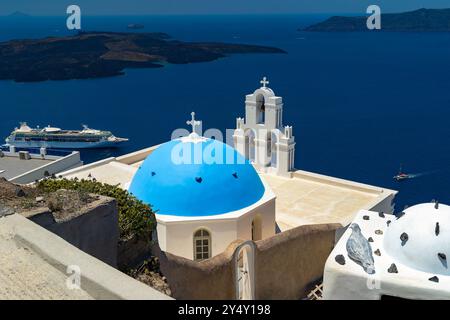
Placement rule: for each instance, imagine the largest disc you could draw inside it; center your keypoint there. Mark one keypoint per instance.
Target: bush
(136, 219)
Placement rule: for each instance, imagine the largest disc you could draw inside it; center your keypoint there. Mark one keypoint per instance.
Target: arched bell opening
(250, 145)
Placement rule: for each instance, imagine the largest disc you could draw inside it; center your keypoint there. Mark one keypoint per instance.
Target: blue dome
(193, 179)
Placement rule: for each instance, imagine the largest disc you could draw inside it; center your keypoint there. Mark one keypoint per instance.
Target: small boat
(135, 26)
(401, 175)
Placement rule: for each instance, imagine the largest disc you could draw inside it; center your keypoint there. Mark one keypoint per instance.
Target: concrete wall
(93, 230)
(137, 156)
(386, 206)
(285, 265)
(68, 162)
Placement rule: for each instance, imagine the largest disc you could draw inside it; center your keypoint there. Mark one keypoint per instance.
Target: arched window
(202, 245)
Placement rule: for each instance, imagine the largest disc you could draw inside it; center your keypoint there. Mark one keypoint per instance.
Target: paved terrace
(306, 198)
(309, 198)
(11, 167)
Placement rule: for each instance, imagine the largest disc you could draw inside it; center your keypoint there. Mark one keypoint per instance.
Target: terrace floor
(11, 167)
(303, 199)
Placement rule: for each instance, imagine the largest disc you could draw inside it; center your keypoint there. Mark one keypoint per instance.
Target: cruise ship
(56, 138)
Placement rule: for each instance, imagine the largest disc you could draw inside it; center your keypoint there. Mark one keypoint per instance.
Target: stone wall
(288, 263)
(94, 229)
(285, 265)
(131, 253)
(212, 279)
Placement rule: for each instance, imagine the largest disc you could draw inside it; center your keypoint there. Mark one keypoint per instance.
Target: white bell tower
(261, 136)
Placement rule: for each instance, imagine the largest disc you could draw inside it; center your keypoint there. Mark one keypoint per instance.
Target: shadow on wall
(285, 266)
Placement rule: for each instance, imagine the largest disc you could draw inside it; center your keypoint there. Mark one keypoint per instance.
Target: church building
(205, 191)
(207, 194)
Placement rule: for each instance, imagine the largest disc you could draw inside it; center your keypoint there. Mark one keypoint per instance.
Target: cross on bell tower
(264, 82)
(193, 122)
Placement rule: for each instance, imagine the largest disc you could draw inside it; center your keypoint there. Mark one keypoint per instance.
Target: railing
(37, 151)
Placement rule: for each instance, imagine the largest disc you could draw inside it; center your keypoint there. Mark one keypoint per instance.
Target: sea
(361, 104)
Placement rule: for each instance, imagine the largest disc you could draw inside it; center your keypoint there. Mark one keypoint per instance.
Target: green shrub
(136, 219)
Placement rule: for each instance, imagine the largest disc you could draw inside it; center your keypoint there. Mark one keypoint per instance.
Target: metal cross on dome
(264, 82)
(193, 122)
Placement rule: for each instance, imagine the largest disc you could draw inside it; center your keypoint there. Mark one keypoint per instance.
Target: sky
(148, 7)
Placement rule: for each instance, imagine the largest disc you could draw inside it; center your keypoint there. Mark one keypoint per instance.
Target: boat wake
(421, 174)
(416, 175)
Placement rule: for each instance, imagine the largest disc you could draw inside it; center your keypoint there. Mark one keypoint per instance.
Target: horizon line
(27, 15)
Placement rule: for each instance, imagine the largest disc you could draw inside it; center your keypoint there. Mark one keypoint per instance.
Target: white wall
(68, 162)
(178, 237)
(267, 213)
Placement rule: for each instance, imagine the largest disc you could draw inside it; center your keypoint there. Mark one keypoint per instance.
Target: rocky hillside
(104, 54)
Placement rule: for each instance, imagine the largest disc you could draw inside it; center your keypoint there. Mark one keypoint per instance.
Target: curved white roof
(23, 127)
(420, 239)
(51, 129)
(265, 91)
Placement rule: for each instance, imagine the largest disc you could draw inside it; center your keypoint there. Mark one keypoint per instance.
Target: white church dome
(420, 239)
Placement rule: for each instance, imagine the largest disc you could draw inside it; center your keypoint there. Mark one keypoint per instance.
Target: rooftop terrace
(310, 198)
(11, 167)
(35, 166)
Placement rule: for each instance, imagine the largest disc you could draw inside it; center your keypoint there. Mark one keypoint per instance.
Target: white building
(408, 256)
(206, 196)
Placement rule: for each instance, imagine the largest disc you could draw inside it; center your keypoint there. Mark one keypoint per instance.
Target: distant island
(422, 20)
(135, 26)
(105, 54)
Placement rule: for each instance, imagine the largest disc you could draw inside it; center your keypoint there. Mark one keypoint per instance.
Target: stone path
(25, 275)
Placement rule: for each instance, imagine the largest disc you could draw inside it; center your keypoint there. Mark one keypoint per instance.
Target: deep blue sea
(360, 103)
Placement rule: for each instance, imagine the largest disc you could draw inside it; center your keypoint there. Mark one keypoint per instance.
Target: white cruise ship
(56, 138)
